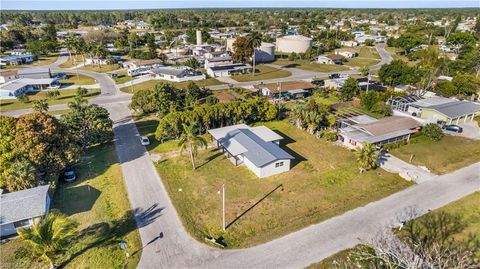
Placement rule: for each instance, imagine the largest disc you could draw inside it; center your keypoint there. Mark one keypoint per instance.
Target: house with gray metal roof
(360, 130)
(258, 148)
(176, 74)
(21, 208)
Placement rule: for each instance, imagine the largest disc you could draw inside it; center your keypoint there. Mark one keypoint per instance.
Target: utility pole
(223, 206)
(368, 80)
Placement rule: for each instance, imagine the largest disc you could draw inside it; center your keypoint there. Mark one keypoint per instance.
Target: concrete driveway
(470, 130)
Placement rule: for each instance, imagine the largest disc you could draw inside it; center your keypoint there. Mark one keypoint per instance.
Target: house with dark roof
(360, 130)
(258, 148)
(294, 90)
(21, 208)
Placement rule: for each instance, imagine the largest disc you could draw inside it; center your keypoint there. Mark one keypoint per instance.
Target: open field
(366, 57)
(262, 72)
(98, 201)
(122, 77)
(65, 97)
(447, 155)
(310, 66)
(324, 182)
(103, 68)
(151, 83)
(70, 63)
(79, 79)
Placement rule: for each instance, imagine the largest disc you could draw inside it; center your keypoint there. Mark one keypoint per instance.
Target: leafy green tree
(398, 72)
(50, 237)
(465, 84)
(382, 108)
(22, 175)
(192, 63)
(24, 99)
(368, 100)
(369, 42)
(367, 157)
(89, 124)
(433, 132)
(311, 115)
(45, 142)
(40, 105)
(192, 141)
(8, 148)
(446, 88)
(53, 93)
(241, 50)
(81, 91)
(350, 89)
(408, 41)
(364, 71)
(461, 39)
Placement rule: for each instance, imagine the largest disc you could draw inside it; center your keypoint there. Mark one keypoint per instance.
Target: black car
(453, 128)
(318, 82)
(334, 75)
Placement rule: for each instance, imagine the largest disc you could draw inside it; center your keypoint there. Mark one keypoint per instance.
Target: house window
(279, 164)
(22, 223)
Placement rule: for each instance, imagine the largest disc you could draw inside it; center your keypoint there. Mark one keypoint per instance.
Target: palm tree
(254, 41)
(367, 157)
(191, 140)
(22, 175)
(50, 236)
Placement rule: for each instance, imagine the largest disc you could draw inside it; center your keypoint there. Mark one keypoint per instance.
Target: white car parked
(144, 140)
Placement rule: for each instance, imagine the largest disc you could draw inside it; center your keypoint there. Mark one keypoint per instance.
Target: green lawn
(98, 201)
(151, 83)
(103, 68)
(324, 182)
(262, 72)
(447, 155)
(311, 66)
(79, 79)
(122, 77)
(366, 57)
(69, 63)
(65, 97)
(329, 100)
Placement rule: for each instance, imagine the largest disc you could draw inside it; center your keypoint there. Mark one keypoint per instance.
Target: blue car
(453, 128)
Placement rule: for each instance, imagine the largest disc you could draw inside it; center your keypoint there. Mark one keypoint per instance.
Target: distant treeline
(216, 18)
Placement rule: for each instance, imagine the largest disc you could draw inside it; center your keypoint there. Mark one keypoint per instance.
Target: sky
(164, 4)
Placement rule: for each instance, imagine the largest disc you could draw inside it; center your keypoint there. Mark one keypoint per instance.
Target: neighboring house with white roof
(176, 74)
(437, 108)
(349, 43)
(20, 87)
(21, 208)
(357, 131)
(255, 147)
(16, 59)
(322, 59)
(347, 53)
(221, 60)
(227, 70)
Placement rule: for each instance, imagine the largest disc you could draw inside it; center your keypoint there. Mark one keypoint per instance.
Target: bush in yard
(24, 99)
(382, 108)
(329, 136)
(433, 132)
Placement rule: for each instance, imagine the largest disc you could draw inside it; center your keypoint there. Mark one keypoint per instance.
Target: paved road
(177, 250)
(385, 56)
(406, 170)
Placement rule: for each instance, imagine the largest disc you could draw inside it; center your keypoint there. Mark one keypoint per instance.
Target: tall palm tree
(190, 140)
(367, 157)
(50, 236)
(254, 41)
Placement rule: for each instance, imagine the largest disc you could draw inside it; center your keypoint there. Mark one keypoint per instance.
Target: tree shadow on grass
(290, 65)
(107, 233)
(211, 157)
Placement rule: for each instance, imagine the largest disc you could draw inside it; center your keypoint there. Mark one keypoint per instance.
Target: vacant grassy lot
(311, 66)
(262, 72)
(65, 97)
(324, 182)
(366, 57)
(74, 79)
(122, 77)
(99, 202)
(70, 62)
(103, 68)
(447, 155)
(151, 83)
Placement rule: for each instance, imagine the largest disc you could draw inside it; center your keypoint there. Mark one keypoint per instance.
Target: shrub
(395, 145)
(433, 132)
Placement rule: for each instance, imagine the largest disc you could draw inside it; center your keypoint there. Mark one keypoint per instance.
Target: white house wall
(268, 170)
